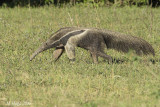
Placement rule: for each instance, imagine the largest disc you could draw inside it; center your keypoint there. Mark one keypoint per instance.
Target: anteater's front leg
(58, 52)
(70, 50)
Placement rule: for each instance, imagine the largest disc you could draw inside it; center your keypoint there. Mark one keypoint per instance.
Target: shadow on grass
(120, 61)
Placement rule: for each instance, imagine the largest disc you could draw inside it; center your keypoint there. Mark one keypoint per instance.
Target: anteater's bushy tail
(124, 43)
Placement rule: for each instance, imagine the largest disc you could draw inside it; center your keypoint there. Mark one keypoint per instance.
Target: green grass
(134, 83)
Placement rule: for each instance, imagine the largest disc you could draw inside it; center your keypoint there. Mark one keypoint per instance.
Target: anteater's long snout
(36, 53)
(44, 47)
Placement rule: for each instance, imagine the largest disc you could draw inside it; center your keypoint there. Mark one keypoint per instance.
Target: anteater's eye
(46, 44)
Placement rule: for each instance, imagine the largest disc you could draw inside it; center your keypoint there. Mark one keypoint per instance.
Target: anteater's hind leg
(105, 56)
(94, 57)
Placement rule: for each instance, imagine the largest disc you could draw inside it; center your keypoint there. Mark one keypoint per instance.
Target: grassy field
(134, 83)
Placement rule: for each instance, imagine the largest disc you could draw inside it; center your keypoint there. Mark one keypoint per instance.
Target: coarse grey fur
(94, 40)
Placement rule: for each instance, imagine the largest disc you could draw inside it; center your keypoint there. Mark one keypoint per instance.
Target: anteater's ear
(58, 52)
